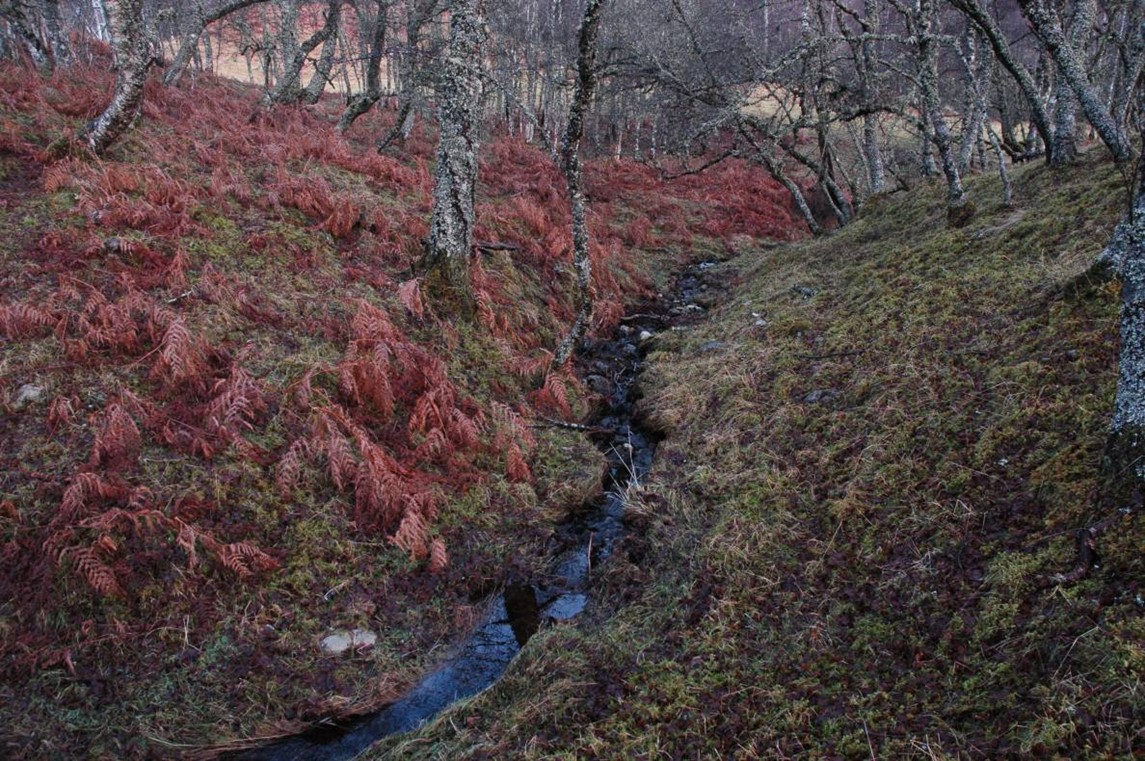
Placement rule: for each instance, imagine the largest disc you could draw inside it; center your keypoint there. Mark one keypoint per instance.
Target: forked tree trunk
(360, 104)
(1022, 77)
(287, 90)
(132, 58)
(571, 167)
(1044, 21)
(458, 94)
(190, 41)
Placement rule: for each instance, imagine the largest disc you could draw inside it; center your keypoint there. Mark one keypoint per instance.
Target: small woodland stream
(612, 367)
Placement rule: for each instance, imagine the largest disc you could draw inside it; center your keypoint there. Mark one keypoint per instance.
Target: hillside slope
(230, 424)
(878, 451)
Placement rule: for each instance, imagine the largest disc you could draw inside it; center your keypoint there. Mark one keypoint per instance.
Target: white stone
(28, 394)
(342, 640)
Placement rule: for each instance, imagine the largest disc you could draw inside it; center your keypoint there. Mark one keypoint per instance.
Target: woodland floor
(232, 425)
(878, 452)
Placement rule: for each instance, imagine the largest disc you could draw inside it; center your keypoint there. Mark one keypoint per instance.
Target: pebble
(27, 395)
(341, 641)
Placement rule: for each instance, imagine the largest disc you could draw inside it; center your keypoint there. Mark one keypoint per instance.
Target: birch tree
(586, 82)
(131, 48)
(458, 93)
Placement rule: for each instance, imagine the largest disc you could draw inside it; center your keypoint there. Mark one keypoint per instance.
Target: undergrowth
(234, 422)
(878, 452)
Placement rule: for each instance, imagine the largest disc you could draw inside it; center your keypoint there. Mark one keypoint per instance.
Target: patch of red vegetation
(157, 350)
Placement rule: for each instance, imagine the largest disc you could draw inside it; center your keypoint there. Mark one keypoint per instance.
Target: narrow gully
(612, 367)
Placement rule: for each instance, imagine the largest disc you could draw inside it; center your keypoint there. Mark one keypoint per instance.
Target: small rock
(341, 641)
(645, 335)
(27, 395)
(761, 323)
(598, 384)
(821, 395)
(803, 291)
(712, 346)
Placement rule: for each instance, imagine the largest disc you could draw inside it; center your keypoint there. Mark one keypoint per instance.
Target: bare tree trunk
(190, 42)
(1125, 257)
(57, 37)
(99, 21)
(287, 89)
(419, 13)
(321, 78)
(132, 58)
(362, 103)
(571, 167)
(1065, 102)
(1022, 77)
(458, 93)
(1043, 18)
(958, 208)
(25, 29)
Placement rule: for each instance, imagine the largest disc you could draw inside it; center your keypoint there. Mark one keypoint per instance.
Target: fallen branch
(1087, 556)
(546, 422)
(496, 246)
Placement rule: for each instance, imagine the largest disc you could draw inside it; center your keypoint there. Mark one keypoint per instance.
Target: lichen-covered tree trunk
(363, 102)
(872, 152)
(288, 90)
(25, 27)
(1044, 20)
(959, 210)
(1065, 101)
(57, 37)
(458, 93)
(587, 76)
(1022, 77)
(132, 58)
(190, 41)
(1125, 450)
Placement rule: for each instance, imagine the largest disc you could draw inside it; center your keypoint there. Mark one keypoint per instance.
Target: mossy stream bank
(590, 535)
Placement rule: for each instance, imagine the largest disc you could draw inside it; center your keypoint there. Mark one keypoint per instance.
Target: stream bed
(611, 368)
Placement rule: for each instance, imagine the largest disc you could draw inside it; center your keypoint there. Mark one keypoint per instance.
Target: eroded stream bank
(588, 538)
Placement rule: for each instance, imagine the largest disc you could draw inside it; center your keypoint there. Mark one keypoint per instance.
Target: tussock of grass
(864, 490)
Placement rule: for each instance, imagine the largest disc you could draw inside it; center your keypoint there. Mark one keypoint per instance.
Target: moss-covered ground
(878, 452)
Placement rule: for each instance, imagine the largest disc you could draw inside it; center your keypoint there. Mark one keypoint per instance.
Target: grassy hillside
(878, 451)
(232, 424)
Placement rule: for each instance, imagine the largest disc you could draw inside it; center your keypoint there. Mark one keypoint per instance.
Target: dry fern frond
(117, 437)
(25, 320)
(343, 466)
(244, 559)
(409, 294)
(289, 466)
(83, 488)
(411, 535)
(438, 557)
(516, 469)
(93, 570)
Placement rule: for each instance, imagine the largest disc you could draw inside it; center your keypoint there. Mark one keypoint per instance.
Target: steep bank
(876, 455)
(232, 428)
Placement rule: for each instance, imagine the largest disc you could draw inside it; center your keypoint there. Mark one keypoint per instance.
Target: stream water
(612, 368)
